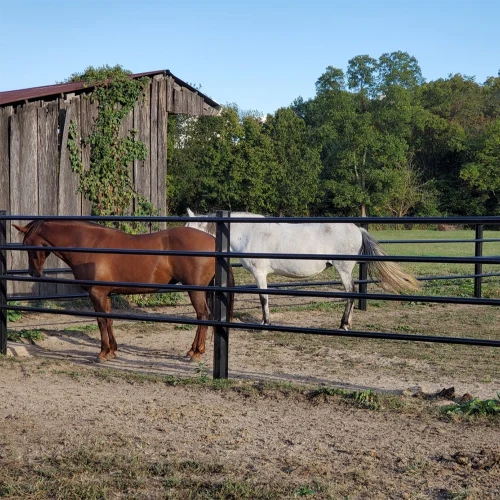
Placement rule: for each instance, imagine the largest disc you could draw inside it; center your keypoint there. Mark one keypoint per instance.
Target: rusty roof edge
(23, 95)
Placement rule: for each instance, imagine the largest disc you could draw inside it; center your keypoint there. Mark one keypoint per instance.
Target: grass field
(455, 287)
(451, 287)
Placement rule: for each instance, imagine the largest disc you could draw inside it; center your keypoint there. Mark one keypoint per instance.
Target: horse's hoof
(195, 358)
(344, 327)
(100, 359)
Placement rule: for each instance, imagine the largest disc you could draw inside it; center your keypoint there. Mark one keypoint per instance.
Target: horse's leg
(99, 301)
(199, 302)
(261, 280)
(113, 346)
(344, 269)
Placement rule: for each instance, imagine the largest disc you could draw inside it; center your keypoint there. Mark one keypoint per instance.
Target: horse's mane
(33, 228)
(211, 227)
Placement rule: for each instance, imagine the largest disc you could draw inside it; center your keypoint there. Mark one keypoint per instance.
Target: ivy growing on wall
(107, 183)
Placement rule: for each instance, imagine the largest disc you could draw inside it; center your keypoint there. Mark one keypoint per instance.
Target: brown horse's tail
(389, 275)
(211, 297)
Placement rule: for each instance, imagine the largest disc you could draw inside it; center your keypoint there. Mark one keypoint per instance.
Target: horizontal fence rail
(274, 328)
(396, 221)
(263, 255)
(222, 256)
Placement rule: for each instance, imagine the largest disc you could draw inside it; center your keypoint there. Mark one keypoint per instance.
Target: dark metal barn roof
(12, 97)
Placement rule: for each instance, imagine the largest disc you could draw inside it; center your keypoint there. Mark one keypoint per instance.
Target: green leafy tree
(491, 90)
(399, 68)
(202, 156)
(255, 171)
(361, 75)
(461, 111)
(297, 163)
(482, 173)
(376, 139)
(332, 80)
(366, 133)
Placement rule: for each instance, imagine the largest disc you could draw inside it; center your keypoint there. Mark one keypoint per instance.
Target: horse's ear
(21, 229)
(190, 212)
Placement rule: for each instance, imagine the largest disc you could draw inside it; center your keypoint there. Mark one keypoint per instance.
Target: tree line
(374, 140)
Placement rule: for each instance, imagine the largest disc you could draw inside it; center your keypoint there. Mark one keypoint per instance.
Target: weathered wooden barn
(35, 172)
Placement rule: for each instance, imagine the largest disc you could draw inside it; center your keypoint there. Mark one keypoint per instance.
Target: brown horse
(157, 269)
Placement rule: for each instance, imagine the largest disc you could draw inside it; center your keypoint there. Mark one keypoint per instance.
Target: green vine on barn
(107, 183)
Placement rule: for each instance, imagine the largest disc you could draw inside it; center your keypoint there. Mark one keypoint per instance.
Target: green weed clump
(156, 299)
(30, 335)
(364, 399)
(13, 315)
(474, 407)
(82, 328)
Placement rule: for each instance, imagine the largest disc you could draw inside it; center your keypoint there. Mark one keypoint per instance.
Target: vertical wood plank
(88, 115)
(48, 155)
(127, 124)
(170, 94)
(5, 114)
(192, 104)
(186, 95)
(162, 147)
(199, 109)
(153, 154)
(197, 106)
(177, 99)
(69, 200)
(23, 180)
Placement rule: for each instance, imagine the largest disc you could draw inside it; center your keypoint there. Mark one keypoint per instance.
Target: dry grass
(261, 440)
(303, 416)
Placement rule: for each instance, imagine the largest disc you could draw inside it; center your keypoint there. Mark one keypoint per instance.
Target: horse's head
(32, 238)
(207, 227)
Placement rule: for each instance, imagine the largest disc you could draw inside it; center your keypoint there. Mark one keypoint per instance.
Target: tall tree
(482, 173)
(297, 162)
(255, 171)
(459, 117)
(362, 75)
(399, 68)
(332, 80)
(365, 135)
(201, 161)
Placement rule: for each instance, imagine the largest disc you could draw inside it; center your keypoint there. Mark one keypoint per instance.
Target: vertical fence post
(3, 284)
(221, 337)
(363, 276)
(478, 266)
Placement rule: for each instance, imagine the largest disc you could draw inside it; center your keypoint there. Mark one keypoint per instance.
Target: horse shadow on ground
(150, 361)
(81, 348)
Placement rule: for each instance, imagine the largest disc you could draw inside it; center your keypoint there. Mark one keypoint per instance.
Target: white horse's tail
(390, 276)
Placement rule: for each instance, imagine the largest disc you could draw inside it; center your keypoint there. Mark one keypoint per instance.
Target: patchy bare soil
(272, 440)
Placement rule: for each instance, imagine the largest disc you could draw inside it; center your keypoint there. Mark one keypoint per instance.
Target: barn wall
(35, 172)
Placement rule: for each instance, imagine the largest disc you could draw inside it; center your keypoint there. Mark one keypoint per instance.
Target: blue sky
(258, 54)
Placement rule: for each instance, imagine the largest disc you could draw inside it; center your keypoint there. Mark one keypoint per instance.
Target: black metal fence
(222, 255)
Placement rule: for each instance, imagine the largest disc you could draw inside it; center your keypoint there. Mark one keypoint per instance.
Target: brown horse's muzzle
(35, 273)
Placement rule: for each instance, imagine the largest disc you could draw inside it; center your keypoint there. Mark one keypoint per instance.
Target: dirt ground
(55, 398)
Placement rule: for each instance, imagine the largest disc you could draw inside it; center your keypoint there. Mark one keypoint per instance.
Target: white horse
(310, 238)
